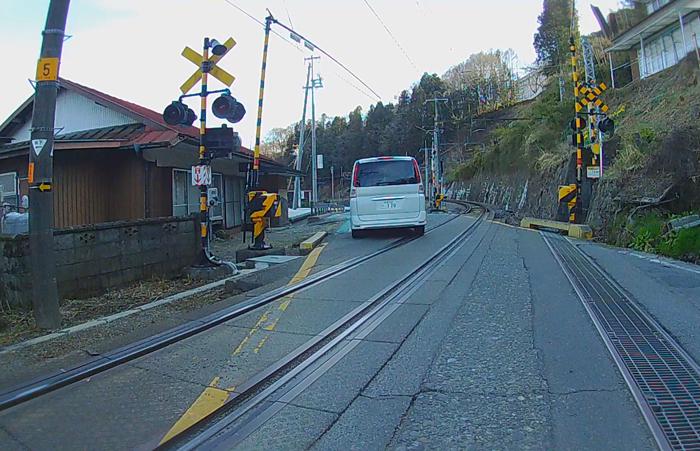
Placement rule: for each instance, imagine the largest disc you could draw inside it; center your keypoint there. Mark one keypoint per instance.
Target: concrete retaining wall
(90, 259)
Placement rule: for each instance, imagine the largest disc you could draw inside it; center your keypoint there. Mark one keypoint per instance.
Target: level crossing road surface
(489, 348)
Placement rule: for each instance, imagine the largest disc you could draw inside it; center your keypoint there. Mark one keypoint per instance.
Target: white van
(386, 192)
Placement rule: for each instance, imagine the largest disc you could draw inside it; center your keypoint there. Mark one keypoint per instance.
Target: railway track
(54, 381)
(269, 391)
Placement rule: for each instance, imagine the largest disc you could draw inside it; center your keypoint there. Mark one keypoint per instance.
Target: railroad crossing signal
(220, 74)
(591, 95)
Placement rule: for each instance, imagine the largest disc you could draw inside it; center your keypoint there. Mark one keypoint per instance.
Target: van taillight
(416, 171)
(356, 175)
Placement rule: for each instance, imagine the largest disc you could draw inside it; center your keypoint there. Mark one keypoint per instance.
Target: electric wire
(321, 50)
(396, 41)
(331, 57)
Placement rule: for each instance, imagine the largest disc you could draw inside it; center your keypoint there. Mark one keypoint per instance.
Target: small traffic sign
(593, 172)
(201, 175)
(215, 70)
(44, 187)
(38, 145)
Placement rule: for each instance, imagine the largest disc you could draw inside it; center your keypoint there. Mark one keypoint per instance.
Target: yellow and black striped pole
(203, 189)
(256, 151)
(578, 134)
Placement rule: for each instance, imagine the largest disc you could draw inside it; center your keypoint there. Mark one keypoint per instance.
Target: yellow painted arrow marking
(216, 71)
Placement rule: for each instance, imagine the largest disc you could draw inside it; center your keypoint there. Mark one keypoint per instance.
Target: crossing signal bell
(227, 107)
(177, 113)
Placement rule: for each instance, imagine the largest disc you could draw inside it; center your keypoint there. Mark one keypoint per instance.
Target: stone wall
(91, 259)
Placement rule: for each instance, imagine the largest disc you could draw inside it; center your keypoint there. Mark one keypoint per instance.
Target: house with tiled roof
(116, 160)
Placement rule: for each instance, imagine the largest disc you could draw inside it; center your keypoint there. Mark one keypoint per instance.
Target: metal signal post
(225, 107)
(575, 216)
(203, 189)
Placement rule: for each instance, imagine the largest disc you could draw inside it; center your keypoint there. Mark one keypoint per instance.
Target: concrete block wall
(91, 259)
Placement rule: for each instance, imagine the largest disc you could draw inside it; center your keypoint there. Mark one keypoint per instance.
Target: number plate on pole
(47, 69)
(201, 175)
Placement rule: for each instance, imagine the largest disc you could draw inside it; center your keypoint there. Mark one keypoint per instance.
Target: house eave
(652, 24)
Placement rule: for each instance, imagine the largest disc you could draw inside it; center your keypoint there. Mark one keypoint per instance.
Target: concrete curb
(313, 241)
(111, 318)
(581, 231)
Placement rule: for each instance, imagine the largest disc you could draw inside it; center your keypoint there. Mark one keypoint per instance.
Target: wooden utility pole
(40, 173)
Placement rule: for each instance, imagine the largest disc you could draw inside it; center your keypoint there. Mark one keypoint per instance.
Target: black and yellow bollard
(261, 207)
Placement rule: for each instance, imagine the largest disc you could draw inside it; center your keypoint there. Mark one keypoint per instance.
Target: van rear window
(386, 172)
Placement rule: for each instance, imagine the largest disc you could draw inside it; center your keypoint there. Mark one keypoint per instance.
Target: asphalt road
(493, 351)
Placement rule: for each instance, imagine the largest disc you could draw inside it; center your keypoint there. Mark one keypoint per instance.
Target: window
(9, 191)
(655, 5)
(180, 183)
(386, 172)
(186, 196)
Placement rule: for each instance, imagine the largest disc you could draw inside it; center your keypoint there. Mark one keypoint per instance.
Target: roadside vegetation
(649, 233)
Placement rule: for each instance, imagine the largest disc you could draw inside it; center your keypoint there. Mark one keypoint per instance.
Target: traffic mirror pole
(40, 172)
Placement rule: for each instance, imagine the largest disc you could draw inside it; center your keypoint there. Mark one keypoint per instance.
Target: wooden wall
(159, 191)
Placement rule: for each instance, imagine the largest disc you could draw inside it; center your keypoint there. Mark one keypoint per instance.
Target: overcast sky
(131, 48)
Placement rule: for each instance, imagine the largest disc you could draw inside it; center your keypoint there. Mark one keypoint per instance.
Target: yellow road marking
(211, 399)
(214, 397)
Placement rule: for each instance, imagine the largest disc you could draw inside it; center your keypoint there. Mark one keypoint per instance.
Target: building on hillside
(530, 85)
(667, 34)
(115, 160)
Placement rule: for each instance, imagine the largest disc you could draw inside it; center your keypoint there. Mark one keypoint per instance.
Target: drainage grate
(663, 378)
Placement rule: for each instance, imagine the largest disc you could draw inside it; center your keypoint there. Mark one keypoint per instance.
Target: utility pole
(426, 162)
(332, 184)
(435, 153)
(40, 172)
(302, 129)
(315, 83)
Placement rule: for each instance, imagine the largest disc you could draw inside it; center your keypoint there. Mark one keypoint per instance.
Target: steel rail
(272, 379)
(46, 384)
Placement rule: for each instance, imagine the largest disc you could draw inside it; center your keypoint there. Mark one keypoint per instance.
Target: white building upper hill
(667, 34)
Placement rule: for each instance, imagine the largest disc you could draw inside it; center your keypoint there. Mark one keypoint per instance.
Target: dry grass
(16, 325)
(553, 158)
(629, 159)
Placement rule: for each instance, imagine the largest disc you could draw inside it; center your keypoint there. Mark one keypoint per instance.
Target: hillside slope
(655, 154)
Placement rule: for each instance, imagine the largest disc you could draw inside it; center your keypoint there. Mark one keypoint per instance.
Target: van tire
(356, 233)
(420, 230)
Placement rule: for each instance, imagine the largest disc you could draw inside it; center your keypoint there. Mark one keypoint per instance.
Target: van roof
(369, 160)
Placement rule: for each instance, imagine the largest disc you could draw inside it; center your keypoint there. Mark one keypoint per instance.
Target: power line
(398, 44)
(262, 24)
(289, 16)
(332, 58)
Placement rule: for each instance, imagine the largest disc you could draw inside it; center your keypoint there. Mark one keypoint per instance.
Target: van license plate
(389, 205)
